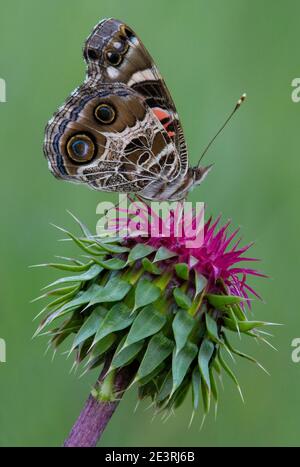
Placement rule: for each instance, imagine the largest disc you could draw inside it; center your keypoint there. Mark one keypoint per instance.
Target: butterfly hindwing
(125, 153)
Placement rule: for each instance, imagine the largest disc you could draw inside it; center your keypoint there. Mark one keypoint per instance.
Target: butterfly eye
(81, 148)
(105, 113)
(114, 58)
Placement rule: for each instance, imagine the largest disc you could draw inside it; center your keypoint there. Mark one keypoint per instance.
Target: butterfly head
(199, 173)
(193, 177)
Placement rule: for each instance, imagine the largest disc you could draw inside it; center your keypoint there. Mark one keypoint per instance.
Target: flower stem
(95, 415)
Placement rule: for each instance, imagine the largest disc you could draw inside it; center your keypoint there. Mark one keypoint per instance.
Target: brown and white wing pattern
(114, 53)
(111, 140)
(119, 131)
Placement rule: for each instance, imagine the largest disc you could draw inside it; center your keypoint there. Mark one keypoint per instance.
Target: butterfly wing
(114, 53)
(119, 131)
(109, 139)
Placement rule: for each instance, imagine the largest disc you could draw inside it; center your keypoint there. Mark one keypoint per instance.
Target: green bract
(142, 304)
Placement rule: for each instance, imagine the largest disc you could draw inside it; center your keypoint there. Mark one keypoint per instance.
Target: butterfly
(119, 131)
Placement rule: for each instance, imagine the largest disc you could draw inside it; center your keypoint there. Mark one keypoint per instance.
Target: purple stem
(95, 415)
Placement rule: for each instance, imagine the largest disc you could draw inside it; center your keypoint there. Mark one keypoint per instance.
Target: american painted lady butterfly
(119, 131)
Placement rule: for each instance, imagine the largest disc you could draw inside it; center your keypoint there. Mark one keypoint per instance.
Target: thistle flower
(157, 306)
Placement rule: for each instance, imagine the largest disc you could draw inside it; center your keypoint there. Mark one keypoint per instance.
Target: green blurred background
(209, 53)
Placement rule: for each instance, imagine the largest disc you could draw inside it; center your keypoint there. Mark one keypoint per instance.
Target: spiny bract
(157, 305)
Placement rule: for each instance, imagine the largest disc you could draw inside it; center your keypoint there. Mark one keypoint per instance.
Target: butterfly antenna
(237, 106)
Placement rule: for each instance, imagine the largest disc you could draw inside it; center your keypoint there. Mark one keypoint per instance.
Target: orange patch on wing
(160, 114)
(163, 115)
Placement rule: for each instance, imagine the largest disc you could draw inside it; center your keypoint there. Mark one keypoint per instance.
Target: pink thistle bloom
(218, 255)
